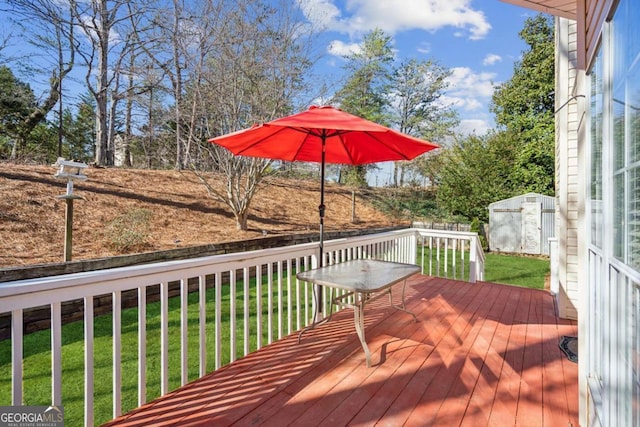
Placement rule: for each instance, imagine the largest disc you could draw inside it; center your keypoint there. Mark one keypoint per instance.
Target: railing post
(554, 284)
(413, 248)
(473, 260)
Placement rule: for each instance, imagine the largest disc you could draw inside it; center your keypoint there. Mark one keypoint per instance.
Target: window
(626, 133)
(614, 207)
(597, 98)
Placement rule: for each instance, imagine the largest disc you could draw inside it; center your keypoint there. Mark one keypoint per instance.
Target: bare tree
(188, 29)
(110, 38)
(254, 73)
(54, 32)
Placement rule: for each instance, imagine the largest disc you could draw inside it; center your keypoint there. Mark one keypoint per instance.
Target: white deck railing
(444, 254)
(288, 305)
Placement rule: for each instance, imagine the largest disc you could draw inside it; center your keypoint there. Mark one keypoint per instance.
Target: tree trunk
(396, 166)
(242, 218)
(178, 86)
(126, 149)
(102, 134)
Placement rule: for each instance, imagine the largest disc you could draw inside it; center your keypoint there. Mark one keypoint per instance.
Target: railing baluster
(258, 311)
(462, 256)
(422, 246)
(270, 302)
(245, 281)
(437, 256)
(280, 302)
(454, 256)
(56, 353)
(88, 361)
(142, 345)
(164, 338)
(218, 320)
(446, 257)
(16, 357)
(184, 327)
(116, 307)
(202, 320)
(232, 316)
(299, 267)
(289, 297)
(430, 255)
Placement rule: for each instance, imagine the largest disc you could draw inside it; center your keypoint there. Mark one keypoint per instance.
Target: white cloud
(473, 126)
(339, 48)
(398, 15)
(491, 59)
(90, 29)
(468, 90)
(424, 48)
(322, 13)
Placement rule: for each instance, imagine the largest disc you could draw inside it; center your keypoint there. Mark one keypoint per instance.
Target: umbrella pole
(321, 208)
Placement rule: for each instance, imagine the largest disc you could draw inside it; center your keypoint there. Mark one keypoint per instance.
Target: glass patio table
(365, 280)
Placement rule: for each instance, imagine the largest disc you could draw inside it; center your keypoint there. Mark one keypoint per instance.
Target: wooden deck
(480, 355)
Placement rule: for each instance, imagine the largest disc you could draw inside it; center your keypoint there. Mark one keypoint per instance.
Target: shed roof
(522, 196)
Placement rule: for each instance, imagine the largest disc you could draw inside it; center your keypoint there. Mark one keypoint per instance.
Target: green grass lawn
(515, 270)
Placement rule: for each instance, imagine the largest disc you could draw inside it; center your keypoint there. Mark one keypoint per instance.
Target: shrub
(130, 230)
(476, 227)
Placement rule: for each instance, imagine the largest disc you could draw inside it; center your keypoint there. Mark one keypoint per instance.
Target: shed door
(531, 227)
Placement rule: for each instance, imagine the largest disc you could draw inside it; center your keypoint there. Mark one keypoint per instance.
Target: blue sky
(476, 39)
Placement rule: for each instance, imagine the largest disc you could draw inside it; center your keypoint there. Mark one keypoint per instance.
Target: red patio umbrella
(324, 135)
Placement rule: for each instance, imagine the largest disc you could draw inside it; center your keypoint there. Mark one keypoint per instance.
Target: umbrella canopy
(323, 135)
(347, 139)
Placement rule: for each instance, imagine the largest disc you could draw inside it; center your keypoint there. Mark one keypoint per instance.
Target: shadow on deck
(480, 354)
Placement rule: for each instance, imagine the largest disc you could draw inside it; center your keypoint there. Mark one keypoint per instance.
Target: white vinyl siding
(568, 119)
(613, 210)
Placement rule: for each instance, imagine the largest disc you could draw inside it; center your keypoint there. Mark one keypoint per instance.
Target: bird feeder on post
(71, 171)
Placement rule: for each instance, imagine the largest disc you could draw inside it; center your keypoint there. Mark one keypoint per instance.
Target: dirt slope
(32, 217)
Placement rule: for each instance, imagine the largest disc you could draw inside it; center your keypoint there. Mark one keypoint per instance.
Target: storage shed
(522, 224)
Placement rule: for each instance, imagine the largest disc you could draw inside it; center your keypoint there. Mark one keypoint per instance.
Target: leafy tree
(16, 102)
(80, 131)
(475, 172)
(524, 106)
(42, 144)
(365, 91)
(416, 92)
(416, 108)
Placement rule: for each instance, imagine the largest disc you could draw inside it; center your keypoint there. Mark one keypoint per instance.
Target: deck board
(479, 355)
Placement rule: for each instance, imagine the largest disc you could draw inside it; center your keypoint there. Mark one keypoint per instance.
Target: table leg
(403, 307)
(358, 317)
(315, 322)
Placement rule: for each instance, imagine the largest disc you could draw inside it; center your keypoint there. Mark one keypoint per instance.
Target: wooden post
(70, 171)
(353, 206)
(68, 230)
